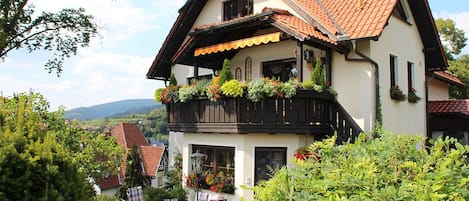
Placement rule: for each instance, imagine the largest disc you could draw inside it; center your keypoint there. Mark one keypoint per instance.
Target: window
(281, 69)
(399, 11)
(248, 68)
(218, 158)
(266, 159)
(410, 76)
(236, 8)
(238, 75)
(394, 70)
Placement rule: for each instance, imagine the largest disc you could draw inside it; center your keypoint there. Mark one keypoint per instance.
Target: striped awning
(237, 44)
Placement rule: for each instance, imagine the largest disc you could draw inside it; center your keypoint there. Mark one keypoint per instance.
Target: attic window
(236, 8)
(399, 11)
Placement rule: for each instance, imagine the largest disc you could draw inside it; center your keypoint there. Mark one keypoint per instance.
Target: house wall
(438, 90)
(401, 39)
(110, 191)
(182, 72)
(213, 10)
(244, 145)
(354, 84)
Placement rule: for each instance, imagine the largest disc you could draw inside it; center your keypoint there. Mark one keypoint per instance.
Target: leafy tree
(96, 153)
(62, 32)
(460, 67)
(34, 164)
(133, 172)
(453, 37)
(391, 167)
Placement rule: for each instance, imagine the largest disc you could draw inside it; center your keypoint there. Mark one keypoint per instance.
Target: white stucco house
(367, 47)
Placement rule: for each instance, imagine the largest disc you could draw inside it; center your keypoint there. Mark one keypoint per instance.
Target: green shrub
(172, 80)
(318, 76)
(392, 167)
(255, 90)
(158, 94)
(308, 84)
(187, 92)
(155, 194)
(225, 74)
(289, 88)
(103, 197)
(232, 88)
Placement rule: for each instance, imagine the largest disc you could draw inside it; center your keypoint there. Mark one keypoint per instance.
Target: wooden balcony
(308, 112)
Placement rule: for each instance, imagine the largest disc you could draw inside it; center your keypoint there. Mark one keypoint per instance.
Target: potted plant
(396, 93)
(413, 97)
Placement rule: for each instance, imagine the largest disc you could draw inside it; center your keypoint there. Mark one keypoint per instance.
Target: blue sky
(114, 66)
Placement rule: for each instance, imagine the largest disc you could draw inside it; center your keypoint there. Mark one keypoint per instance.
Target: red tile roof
(450, 106)
(284, 20)
(110, 182)
(126, 134)
(315, 10)
(300, 28)
(360, 18)
(448, 77)
(151, 158)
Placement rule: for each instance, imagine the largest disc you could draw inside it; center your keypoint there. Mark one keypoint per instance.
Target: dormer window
(236, 8)
(401, 12)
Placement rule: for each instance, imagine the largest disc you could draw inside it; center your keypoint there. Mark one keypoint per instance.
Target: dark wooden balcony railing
(308, 112)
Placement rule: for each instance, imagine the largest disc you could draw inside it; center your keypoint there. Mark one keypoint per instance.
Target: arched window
(248, 68)
(238, 75)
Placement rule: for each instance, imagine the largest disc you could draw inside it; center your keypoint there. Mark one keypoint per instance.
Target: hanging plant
(413, 97)
(396, 93)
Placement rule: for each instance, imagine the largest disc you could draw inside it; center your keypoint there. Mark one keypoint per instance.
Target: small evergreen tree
(172, 80)
(317, 76)
(226, 74)
(133, 172)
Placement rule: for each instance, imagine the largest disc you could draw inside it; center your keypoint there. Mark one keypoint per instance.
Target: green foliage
(155, 194)
(103, 197)
(396, 93)
(35, 162)
(318, 76)
(225, 74)
(255, 90)
(133, 172)
(308, 84)
(452, 36)
(413, 97)
(157, 94)
(62, 33)
(186, 92)
(232, 88)
(460, 68)
(289, 88)
(392, 167)
(172, 80)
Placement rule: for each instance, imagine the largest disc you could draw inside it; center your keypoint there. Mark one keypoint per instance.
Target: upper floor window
(280, 69)
(410, 78)
(236, 8)
(393, 70)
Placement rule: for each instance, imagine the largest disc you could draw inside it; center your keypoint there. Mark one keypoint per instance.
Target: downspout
(427, 104)
(364, 58)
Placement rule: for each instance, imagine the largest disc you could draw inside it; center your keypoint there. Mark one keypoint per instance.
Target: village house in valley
(383, 58)
(154, 159)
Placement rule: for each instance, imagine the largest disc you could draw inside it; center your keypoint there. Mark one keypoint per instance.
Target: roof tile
(151, 158)
(450, 106)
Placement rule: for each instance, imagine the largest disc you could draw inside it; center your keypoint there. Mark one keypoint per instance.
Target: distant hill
(113, 109)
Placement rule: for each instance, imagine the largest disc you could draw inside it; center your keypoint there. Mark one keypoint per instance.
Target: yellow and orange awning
(237, 44)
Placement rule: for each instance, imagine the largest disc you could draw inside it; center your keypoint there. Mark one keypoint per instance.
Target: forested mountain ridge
(113, 109)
